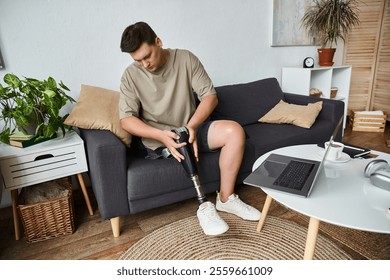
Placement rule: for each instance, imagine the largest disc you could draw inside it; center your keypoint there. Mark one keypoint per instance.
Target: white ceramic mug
(335, 151)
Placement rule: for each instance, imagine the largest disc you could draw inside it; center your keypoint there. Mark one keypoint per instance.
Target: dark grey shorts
(201, 136)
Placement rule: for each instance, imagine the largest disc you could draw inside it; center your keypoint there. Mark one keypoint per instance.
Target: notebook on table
(289, 174)
(353, 151)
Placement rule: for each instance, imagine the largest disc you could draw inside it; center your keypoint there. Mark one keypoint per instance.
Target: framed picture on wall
(1, 61)
(286, 23)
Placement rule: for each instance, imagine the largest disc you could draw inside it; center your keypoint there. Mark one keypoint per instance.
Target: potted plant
(32, 106)
(328, 21)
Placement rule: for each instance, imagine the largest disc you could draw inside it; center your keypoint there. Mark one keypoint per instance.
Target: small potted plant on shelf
(328, 21)
(32, 107)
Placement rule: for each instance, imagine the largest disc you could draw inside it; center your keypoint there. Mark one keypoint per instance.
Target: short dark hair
(135, 35)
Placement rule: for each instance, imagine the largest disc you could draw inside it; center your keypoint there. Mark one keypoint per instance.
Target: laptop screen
(331, 140)
(332, 137)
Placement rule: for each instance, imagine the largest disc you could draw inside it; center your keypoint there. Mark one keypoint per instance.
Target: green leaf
(52, 84)
(49, 93)
(64, 86)
(12, 80)
(4, 135)
(27, 110)
(33, 82)
(26, 89)
(4, 92)
(22, 120)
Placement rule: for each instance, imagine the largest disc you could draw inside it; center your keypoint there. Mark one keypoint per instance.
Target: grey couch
(124, 182)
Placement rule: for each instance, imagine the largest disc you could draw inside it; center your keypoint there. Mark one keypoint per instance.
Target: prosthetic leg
(189, 162)
(209, 220)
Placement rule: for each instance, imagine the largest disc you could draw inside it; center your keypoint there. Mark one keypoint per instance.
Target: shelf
(301, 80)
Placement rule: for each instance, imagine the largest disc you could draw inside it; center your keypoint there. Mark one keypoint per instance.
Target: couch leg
(115, 225)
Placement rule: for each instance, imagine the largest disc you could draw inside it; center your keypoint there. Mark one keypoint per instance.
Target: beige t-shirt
(164, 99)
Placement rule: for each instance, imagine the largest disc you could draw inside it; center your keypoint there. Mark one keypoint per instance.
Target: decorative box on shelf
(368, 121)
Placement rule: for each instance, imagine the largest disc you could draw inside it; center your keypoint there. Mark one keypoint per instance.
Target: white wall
(77, 41)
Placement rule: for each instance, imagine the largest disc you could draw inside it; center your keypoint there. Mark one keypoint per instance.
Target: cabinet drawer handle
(43, 157)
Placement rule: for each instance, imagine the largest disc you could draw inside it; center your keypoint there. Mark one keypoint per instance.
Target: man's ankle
(223, 197)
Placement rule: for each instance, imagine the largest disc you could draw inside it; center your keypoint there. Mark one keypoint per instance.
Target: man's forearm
(204, 110)
(137, 127)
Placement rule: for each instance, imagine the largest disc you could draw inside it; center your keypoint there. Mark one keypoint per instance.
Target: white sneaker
(234, 205)
(209, 220)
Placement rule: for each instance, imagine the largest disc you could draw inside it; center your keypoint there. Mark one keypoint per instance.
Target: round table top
(342, 194)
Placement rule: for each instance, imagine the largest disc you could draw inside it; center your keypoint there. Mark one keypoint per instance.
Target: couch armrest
(107, 164)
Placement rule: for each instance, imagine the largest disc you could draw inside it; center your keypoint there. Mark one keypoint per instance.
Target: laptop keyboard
(294, 175)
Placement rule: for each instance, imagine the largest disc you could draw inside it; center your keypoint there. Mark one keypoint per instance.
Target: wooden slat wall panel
(360, 51)
(381, 88)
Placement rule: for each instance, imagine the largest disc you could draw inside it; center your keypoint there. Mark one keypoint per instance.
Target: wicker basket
(315, 92)
(48, 219)
(333, 92)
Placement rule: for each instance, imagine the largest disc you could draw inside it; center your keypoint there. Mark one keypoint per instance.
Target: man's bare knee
(235, 132)
(225, 132)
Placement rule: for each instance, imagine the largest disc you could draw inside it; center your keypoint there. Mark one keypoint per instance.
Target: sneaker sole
(244, 218)
(214, 233)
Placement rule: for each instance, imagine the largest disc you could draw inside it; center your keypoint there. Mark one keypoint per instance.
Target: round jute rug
(184, 240)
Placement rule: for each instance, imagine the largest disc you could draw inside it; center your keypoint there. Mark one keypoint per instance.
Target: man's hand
(168, 138)
(137, 127)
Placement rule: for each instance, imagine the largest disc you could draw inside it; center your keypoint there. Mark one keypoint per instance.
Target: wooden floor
(93, 237)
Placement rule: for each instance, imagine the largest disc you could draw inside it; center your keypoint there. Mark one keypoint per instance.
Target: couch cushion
(168, 175)
(246, 103)
(299, 115)
(98, 108)
(266, 137)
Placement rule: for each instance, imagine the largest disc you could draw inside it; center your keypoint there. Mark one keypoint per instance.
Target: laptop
(289, 174)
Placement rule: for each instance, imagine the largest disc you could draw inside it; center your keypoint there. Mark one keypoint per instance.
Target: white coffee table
(342, 196)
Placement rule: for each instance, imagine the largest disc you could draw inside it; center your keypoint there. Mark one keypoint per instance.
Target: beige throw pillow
(98, 108)
(299, 115)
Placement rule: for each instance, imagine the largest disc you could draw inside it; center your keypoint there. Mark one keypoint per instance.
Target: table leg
(14, 195)
(264, 212)
(311, 239)
(85, 193)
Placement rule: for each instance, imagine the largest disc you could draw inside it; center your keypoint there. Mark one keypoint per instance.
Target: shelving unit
(301, 80)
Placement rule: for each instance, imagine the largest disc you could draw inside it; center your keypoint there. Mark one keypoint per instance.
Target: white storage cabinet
(301, 80)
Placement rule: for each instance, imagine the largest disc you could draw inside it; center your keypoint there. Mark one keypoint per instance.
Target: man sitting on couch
(157, 96)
